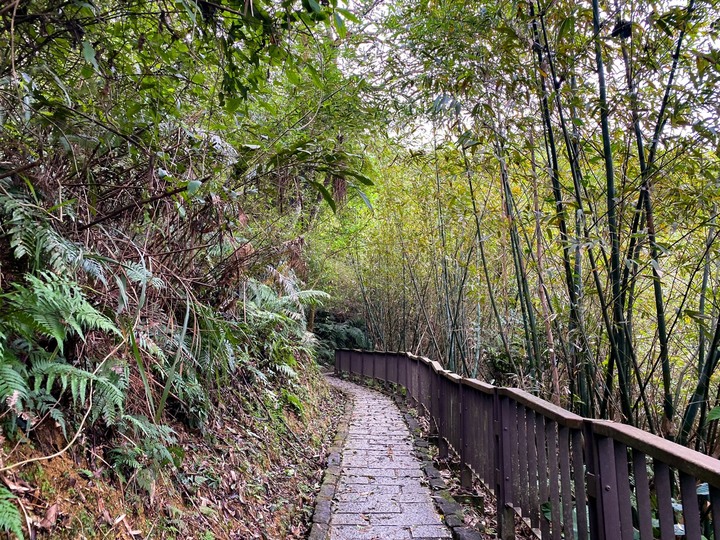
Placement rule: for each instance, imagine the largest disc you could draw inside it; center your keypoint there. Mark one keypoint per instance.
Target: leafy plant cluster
(160, 166)
(52, 339)
(333, 334)
(10, 519)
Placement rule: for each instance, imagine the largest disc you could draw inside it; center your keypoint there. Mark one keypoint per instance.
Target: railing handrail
(560, 415)
(677, 456)
(601, 449)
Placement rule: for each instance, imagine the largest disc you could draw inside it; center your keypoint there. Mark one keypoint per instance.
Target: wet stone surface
(382, 492)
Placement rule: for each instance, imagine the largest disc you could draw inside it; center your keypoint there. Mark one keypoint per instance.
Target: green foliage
(37, 320)
(333, 335)
(54, 307)
(12, 382)
(41, 403)
(10, 518)
(216, 349)
(165, 155)
(146, 450)
(713, 414)
(34, 241)
(107, 384)
(293, 400)
(279, 321)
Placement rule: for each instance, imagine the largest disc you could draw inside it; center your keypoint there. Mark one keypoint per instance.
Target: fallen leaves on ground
(249, 475)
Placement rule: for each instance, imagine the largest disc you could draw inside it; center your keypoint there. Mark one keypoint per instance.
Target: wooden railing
(567, 476)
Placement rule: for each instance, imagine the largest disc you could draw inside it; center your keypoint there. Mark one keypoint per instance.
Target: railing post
(413, 380)
(355, 368)
(600, 488)
(408, 382)
(433, 431)
(443, 428)
(465, 471)
(503, 456)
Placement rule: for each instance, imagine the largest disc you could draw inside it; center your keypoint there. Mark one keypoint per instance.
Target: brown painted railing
(568, 476)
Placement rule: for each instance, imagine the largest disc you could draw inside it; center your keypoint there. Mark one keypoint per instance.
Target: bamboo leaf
(89, 54)
(656, 267)
(359, 176)
(366, 200)
(566, 27)
(340, 25)
(325, 195)
(349, 15)
(193, 187)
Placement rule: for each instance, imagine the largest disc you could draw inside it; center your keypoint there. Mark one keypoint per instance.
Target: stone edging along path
(323, 502)
(374, 486)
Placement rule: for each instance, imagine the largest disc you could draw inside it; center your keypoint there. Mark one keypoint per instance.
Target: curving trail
(381, 492)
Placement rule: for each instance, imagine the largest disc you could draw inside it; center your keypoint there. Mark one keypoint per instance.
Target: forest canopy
(546, 216)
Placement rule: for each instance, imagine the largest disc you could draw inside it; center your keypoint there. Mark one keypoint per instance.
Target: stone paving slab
(382, 492)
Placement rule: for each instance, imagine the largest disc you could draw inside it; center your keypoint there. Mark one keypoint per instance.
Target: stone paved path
(380, 494)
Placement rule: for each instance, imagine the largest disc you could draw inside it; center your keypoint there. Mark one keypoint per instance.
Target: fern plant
(10, 519)
(147, 449)
(13, 382)
(54, 307)
(33, 239)
(37, 318)
(279, 320)
(43, 403)
(108, 385)
(186, 385)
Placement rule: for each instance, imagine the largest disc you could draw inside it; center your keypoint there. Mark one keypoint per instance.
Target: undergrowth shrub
(147, 449)
(38, 319)
(66, 358)
(333, 334)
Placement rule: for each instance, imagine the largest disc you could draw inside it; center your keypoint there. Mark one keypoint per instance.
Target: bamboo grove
(550, 222)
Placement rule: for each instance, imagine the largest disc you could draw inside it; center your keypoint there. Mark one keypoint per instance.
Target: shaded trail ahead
(380, 493)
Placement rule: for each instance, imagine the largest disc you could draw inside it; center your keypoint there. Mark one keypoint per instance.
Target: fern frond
(257, 374)
(126, 457)
(10, 519)
(58, 416)
(55, 307)
(286, 370)
(288, 282)
(108, 396)
(142, 426)
(94, 269)
(43, 403)
(146, 343)
(137, 272)
(49, 325)
(88, 317)
(12, 382)
(310, 297)
(32, 236)
(157, 283)
(309, 340)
